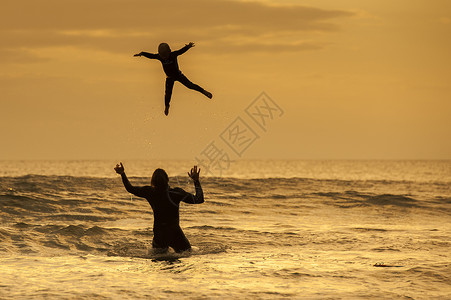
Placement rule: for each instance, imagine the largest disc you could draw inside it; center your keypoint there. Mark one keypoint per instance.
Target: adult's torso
(165, 208)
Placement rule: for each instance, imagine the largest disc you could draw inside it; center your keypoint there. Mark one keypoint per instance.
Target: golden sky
(355, 79)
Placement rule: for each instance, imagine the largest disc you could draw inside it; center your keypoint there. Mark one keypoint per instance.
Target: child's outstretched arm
(184, 49)
(148, 55)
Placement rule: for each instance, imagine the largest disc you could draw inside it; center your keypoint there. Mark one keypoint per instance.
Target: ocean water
(267, 230)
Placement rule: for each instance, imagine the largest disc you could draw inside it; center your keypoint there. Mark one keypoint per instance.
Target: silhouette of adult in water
(168, 59)
(165, 203)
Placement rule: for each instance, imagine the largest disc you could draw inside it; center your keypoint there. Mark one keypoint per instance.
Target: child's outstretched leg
(185, 81)
(168, 94)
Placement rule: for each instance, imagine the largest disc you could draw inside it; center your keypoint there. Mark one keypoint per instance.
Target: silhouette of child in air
(168, 59)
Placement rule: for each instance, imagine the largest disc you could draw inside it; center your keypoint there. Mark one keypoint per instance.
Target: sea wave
(354, 199)
(95, 199)
(33, 179)
(27, 238)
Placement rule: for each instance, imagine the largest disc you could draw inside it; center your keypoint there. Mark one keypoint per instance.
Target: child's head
(160, 179)
(164, 50)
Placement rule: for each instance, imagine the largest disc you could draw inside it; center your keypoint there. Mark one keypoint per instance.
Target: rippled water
(326, 229)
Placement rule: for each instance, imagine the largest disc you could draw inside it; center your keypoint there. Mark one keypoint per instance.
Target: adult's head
(160, 180)
(164, 50)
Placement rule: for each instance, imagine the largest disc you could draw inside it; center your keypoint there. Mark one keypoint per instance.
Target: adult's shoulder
(177, 190)
(177, 194)
(148, 189)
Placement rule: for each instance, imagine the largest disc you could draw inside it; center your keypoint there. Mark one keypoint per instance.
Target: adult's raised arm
(135, 190)
(194, 175)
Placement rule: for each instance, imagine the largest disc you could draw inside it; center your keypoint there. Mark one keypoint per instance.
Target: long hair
(160, 179)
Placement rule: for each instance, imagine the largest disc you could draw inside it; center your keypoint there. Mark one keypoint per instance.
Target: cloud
(20, 56)
(156, 15)
(113, 25)
(261, 47)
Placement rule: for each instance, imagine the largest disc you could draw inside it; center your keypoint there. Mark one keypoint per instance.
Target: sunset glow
(357, 79)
